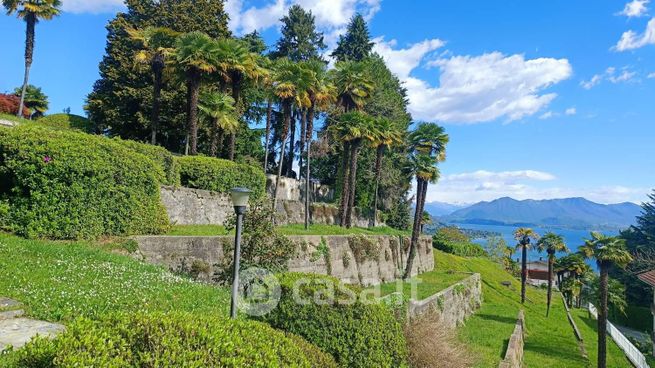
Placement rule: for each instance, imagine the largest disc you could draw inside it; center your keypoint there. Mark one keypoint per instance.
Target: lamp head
(240, 196)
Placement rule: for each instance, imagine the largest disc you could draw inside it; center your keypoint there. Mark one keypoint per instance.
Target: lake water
(573, 238)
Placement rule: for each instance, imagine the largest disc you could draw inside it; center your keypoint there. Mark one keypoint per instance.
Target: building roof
(648, 277)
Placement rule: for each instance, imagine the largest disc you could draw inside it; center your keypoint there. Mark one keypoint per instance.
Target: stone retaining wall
(343, 259)
(454, 304)
(514, 354)
(186, 206)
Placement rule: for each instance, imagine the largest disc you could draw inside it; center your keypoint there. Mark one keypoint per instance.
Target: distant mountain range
(442, 209)
(569, 212)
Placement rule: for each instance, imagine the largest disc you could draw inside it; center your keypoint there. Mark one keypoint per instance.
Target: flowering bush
(9, 105)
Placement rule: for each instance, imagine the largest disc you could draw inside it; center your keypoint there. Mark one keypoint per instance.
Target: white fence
(634, 355)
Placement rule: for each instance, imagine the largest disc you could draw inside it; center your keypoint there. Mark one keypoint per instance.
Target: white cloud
(403, 61)
(331, 15)
(610, 75)
(630, 40)
(570, 111)
(651, 75)
(635, 8)
(524, 184)
(92, 6)
(474, 89)
(547, 115)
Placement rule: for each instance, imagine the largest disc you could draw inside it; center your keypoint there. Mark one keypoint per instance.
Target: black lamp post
(240, 201)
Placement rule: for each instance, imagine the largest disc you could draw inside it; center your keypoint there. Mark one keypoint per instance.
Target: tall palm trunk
(292, 141)
(303, 127)
(524, 270)
(283, 137)
(421, 190)
(354, 154)
(378, 172)
(269, 116)
(236, 94)
(308, 141)
(193, 90)
(602, 316)
(233, 139)
(157, 66)
(345, 185)
(30, 21)
(551, 260)
(217, 139)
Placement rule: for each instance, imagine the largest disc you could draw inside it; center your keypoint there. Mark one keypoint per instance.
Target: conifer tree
(356, 44)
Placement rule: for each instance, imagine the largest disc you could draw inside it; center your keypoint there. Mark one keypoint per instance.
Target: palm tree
(354, 85)
(156, 49)
(35, 101)
(352, 128)
(290, 85)
(428, 148)
(607, 251)
(388, 134)
(524, 236)
(551, 243)
(31, 11)
(321, 95)
(196, 55)
(235, 64)
(218, 108)
(426, 219)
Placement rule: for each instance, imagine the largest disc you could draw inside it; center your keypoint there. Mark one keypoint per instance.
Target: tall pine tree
(300, 40)
(356, 44)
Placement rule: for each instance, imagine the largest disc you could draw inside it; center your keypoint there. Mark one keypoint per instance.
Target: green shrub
(161, 157)
(316, 356)
(220, 175)
(452, 240)
(67, 121)
(67, 185)
(355, 333)
(168, 340)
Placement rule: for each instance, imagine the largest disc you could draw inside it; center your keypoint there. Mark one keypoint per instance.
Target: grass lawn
(62, 280)
(549, 341)
(214, 230)
(429, 283)
(12, 118)
(587, 326)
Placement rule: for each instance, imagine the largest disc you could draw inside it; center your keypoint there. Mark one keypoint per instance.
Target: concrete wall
(514, 354)
(386, 261)
(454, 304)
(294, 190)
(186, 206)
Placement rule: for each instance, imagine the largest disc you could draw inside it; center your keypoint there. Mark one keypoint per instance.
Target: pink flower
(47, 159)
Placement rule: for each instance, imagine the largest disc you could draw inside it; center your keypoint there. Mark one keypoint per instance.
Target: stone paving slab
(11, 314)
(19, 331)
(8, 304)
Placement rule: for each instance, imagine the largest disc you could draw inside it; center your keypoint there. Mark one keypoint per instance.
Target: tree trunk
(345, 185)
(551, 260)
(285, 130)
(308, 141)
(193, 89)
(421, 189)
(217, 140)
(233, 139)
(303, 127)
(354, 153)
(158, 71)
(269, 116)
(292, 141)
(30, 21)
(524, 270)
(602, 317)
(378, 169)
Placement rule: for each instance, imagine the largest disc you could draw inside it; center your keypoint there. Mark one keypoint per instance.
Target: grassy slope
(587, 326)
(60, 280)
(213, 230)
(549, 341)
(429, 283)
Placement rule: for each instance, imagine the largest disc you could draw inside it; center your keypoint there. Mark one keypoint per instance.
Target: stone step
(11, 314)
(17, 332)
(9, 304)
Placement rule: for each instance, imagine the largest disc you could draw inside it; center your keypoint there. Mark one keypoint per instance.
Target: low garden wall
(454, 304)
(514, 354)
(364, 260)
(186, 206)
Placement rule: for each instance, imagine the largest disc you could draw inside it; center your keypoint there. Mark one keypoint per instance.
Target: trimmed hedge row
(170, 340)
(161, 157)
(356, 334)
(67, 185)
(220, 175)
(66, 121)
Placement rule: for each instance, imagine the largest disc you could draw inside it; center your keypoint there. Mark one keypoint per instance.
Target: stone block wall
(383, 260)
(454, 304)
(514, 354)
(186, 206)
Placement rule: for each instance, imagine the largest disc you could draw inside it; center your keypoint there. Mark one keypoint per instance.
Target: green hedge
(220, 175)
(67, 185)
(356, 335)
(67, 121)
(161, 157)
(169, 340)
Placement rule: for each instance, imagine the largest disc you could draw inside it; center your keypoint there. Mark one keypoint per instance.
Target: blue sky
(542, 99)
